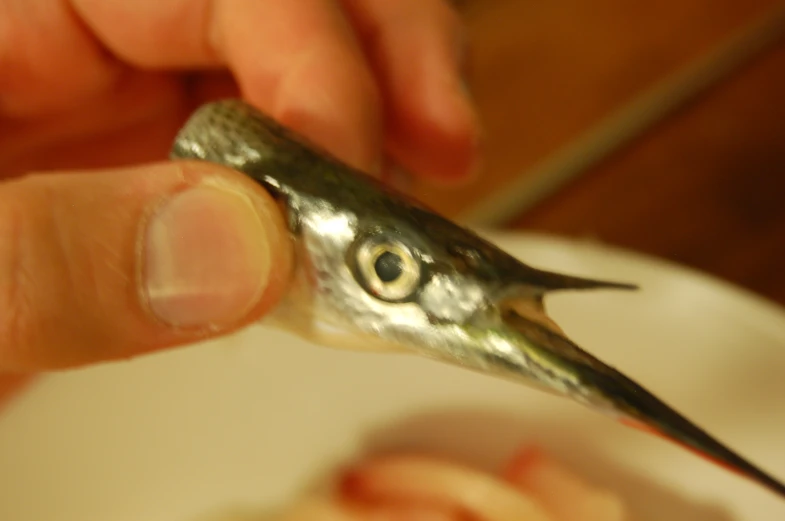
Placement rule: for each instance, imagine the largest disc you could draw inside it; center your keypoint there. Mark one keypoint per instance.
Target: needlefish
(377, 270)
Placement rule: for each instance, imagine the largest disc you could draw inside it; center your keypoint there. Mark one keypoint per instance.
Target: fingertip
(334, 103)
(419, 50)
(235, 232)
(308, 71)
(277, 238)
(444, 113)
(436, 133)
(213, 255)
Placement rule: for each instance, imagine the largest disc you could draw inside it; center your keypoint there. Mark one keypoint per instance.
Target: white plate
(250, 420)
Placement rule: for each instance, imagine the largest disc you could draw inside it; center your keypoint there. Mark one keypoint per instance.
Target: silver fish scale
(470, 305)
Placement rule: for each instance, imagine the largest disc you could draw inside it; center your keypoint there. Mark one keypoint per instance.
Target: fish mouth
(560, 366)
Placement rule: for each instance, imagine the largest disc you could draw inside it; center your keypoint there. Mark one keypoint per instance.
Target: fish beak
(538, 351)
(514, 338)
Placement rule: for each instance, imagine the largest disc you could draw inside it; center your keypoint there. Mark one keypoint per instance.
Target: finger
(131, 124)
(416, 47)
(107, 265)
(144, 111)
(48, 60)
(297, 60)
(300, 61)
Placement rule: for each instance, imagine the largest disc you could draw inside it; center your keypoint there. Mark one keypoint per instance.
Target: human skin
(94, 220)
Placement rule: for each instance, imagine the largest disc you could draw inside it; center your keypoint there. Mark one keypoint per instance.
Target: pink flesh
(320, 509)
(421, 479)
(402, 511)
(565, 495)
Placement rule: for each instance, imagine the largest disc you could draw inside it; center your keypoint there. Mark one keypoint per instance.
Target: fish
(377, 270)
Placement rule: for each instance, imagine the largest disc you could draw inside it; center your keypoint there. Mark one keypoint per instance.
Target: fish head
(376, 270)
(395, 276)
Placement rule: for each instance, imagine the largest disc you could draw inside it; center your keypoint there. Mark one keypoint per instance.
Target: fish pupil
(388, 266)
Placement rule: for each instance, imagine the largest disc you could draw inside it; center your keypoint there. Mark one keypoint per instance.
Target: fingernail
(206, 258)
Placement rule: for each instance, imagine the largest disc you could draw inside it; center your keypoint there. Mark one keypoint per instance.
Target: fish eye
(389, 270)
(388, 266)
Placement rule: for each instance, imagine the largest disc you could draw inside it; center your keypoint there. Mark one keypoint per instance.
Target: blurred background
(655, 126)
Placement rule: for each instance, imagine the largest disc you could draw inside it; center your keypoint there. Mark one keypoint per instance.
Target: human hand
(104, 259)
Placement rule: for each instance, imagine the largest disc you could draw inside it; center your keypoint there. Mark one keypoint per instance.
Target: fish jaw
(452, 314)
(608, 391)
(515, 341)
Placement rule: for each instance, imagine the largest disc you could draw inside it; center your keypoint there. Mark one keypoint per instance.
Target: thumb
(106, 265)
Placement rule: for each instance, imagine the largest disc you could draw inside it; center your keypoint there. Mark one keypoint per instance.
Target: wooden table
(703, 185)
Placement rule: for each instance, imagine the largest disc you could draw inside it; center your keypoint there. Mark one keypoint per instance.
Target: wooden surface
(543, 73)
(706, 188)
